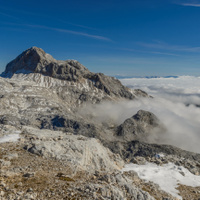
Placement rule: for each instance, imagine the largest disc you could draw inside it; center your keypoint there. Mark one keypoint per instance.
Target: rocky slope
(62, 154)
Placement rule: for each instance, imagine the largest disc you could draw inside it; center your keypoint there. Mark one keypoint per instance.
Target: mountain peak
(35, 60)
(31, 60)
(36, 50)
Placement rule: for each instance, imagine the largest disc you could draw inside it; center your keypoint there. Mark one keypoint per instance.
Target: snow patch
(167, 176)
(9, 138)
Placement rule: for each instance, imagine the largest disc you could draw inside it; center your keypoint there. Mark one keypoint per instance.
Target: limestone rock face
(30, 60)
(140, 126)
(81, 153)
(35, 60)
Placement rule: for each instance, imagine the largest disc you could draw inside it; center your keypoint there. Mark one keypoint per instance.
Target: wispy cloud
(27, 13)
(76, 25)
(7, 15)
(190, 4)
(175, 48)
(97, 37)
(148, 52)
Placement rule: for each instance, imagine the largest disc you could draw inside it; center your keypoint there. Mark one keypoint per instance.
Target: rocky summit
(35, 60)
(50, 148)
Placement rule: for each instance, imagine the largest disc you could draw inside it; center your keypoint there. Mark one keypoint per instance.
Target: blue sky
(130, 37)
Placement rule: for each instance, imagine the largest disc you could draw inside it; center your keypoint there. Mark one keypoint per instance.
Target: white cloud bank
(185, 89)
(170, 105)
(175, 104)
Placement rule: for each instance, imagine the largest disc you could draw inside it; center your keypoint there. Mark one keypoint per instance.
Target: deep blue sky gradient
(130, 37)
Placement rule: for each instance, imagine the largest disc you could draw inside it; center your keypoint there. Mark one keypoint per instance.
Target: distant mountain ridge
(147, 77)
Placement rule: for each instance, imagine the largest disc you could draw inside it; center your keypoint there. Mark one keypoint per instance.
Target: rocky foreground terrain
(51, 150)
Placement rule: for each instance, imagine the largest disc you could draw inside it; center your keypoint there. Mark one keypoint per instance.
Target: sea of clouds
(185, 89)
(176, 103)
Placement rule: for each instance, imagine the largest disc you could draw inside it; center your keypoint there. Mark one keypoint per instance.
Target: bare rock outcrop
(143, 126)
(35, 60)
(79, 152)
